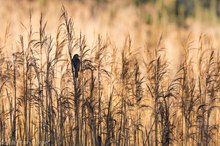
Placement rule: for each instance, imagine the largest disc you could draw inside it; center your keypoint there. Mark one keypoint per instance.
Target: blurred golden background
(143, 20)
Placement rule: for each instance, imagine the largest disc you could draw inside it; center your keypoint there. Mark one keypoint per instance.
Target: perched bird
(76, 64)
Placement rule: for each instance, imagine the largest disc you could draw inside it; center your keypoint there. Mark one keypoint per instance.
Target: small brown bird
(76, 64)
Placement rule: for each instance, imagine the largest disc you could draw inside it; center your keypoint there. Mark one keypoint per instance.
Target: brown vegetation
(118, 99)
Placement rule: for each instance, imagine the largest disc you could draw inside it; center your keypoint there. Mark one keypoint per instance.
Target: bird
(76, 64)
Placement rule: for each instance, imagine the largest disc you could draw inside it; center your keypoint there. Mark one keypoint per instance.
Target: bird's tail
(76, 74)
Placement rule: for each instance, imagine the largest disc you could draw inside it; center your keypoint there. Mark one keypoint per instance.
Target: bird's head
(76, 56)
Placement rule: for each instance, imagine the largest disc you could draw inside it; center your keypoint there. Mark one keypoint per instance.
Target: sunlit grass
(128, 91)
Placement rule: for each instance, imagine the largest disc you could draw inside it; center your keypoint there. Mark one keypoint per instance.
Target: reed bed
(121, 97)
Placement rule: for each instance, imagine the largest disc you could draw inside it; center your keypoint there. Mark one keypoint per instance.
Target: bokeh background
(143, 20)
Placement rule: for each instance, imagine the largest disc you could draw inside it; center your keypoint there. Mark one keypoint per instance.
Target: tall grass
(118, 99)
